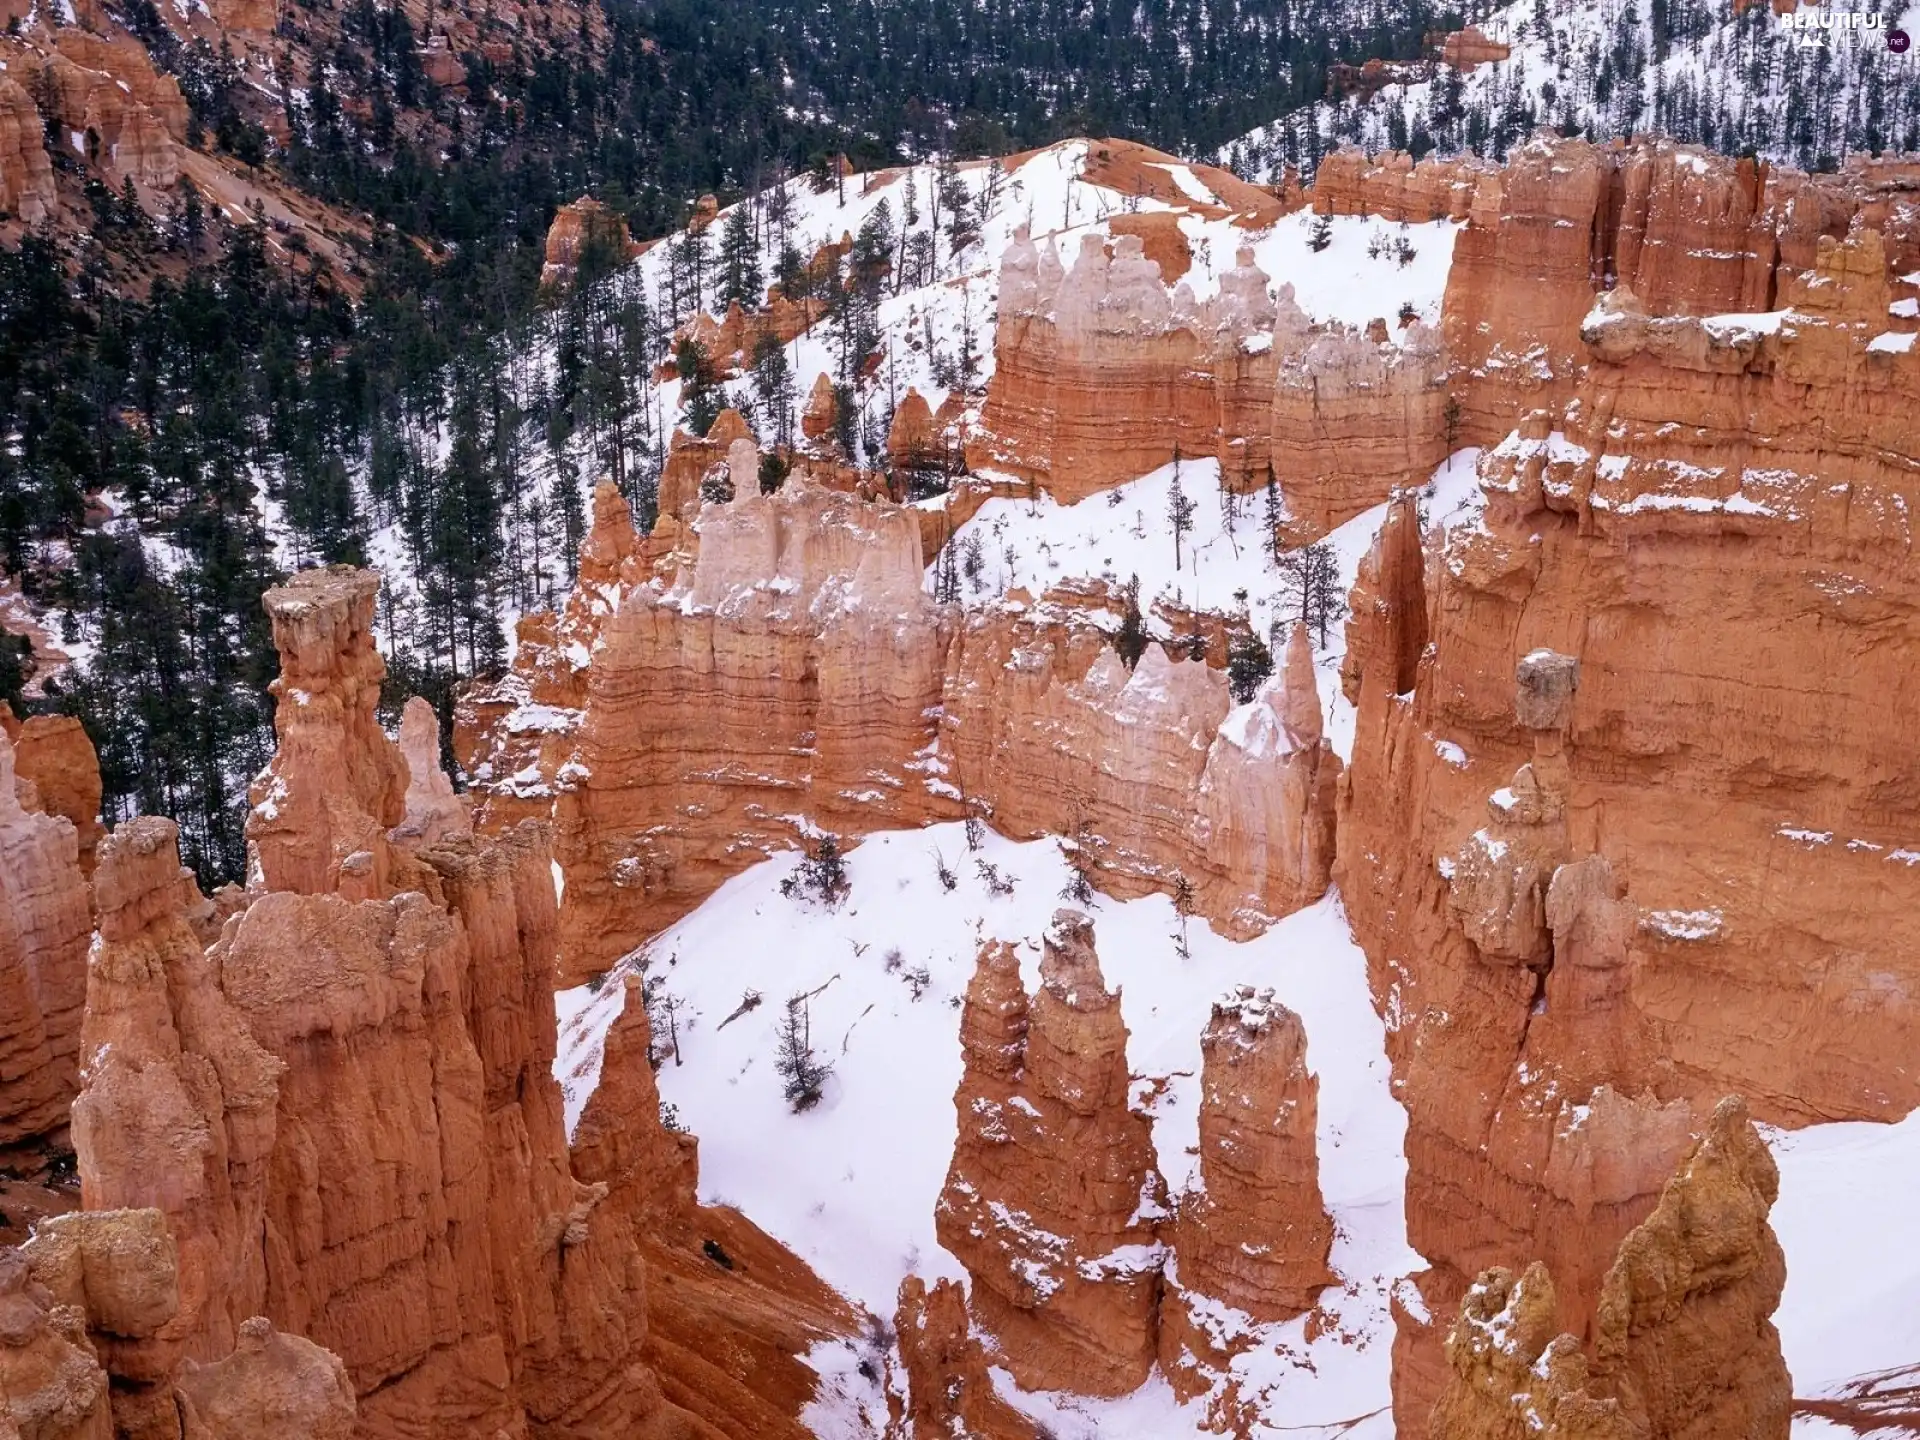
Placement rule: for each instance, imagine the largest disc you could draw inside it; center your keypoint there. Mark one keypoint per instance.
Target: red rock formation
(513, 736)
(433, 812)
(1100, 376)
(26, 174)
(817, 420)
(53, 1387)
(44, 931)
(347, 1113)
(1684, 1344)
(1559, 884)
(1392, 186)
(722, 1340)
(948, 1389)
(109, 90)
(336, 784)
(271, 1380)
(54, 753)
(578, 226)
(1254, 1234)
(1469, 48)
(805, 609)
(1053, 1202)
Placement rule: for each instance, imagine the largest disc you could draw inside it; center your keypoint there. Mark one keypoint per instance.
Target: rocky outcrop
(722, 1339)
(177, 1111)
(1053, 1201)
(948, 1389)
(1394, 187)
(321, 809)
(45, 925)
(272, 1383)
(1684, 1344)
(53, 754)
(859, 702)
(26, 173)
(1101, 375)
(1253, 1234)
(1570, 785)
(433, 812)
(1154, 769)
(110, 91)
(345, 1111)
(805, 609)
(1472, 47)
(513, 735)
(579, 227)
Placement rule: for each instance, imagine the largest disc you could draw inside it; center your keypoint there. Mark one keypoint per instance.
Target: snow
(1035, 544)
(851, 1184)
(1891, 343)
(1846, 1196)
(1684, 924)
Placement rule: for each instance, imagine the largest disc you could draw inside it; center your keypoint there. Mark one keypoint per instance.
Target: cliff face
(1684, 1345)
(1689, 232)
(1053, 1202)
(855, 700)
(793, 667)
(345, 1110)
(1101, 374)
(45, 924)
(1593, 878)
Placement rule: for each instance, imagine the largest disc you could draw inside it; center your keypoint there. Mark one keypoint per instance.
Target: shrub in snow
(802, 1073)
(820, 876)
(997, 881)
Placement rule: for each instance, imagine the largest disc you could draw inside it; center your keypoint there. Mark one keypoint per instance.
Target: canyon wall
(1101, 374)
(852, 702)
(1622, 744)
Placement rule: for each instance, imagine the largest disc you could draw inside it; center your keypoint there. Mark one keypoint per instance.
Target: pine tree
(773, 386)
(1131, 639)
(740, 278)
(802, 1072)
(1275, 515)
(1249, 663)
(1310, 587)
(1179, 510)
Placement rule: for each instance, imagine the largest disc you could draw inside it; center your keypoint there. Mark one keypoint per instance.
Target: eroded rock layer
(1622, 744)
(1053, 1202)
(1253, 1235)
(1684, 1347)
(1101, 374)
(345, 1113)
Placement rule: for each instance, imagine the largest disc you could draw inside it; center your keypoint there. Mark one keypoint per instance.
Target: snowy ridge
(1807, 87)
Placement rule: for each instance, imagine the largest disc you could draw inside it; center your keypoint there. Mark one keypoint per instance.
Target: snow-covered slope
(1123, 534)
(1794, 87)
(851, 1184)
(1845, 1218)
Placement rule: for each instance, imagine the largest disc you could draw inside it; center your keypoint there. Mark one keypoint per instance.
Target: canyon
(1597, 802)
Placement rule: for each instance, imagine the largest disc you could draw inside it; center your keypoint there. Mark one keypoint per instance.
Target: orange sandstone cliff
(1621, 745)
